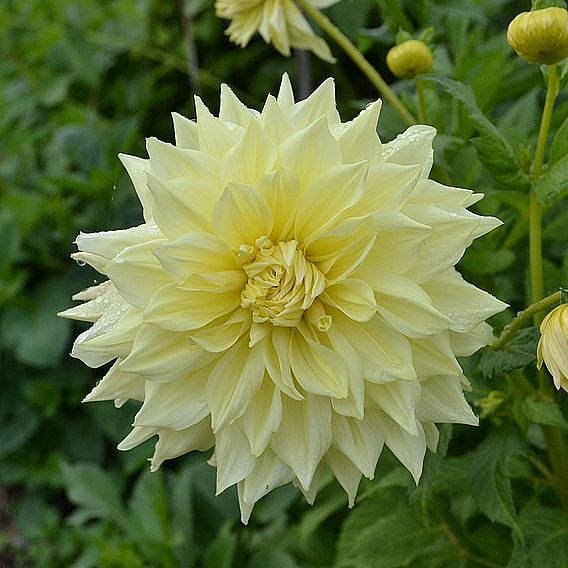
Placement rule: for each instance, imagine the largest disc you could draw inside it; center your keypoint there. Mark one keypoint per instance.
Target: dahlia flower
(553, 345)
(290, 299)
(279, 22)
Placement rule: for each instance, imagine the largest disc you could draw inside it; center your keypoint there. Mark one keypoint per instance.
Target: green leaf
(492, 147)
(553, 184)
(149, 512)
(520, 351)
(489, 482)
(221, 552)
(483, 261)
(559, 147)
(385, 531)
(273, 558)
(545, 412)
(94, 491)
(544, 539)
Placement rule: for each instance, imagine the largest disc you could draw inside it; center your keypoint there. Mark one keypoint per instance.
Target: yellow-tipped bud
(409, 58)
(553, 345)
(540, 36)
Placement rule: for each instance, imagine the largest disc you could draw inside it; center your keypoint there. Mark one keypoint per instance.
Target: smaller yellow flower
(409, 58)
(279, 22)
(553, 345)
(540, 36)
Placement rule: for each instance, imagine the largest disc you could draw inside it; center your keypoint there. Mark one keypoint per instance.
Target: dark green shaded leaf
(544, 539)
(493, 148)
(559, 147)
(221, 552)
(520, 351)
(553, 184)
(545, 412)
(488, 476)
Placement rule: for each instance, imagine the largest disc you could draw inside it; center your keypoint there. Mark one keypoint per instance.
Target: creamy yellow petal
(317, 368)
(466, 344)
(185, 132)
(285, 93)
(232, 109)
(175, 309)
(346, 473)
(181, 206)
(195, 253)
(250, 158)
(304, 436)
(281, 191)
(276, 356)
(241, 215)
(321, 103)
(355, 298)
(174, 443)
(176, 405)
(359, 440)
(386, 355)
(405, 306)
(137, 169)
(310, 152)
(442, 400)
(233, 458)
(262, 417)
(97, 299)
(163, 356)
(353, 404)
(274, 121)
(465, 305)
(325, 202)
(434, 356)
(358, 139)
(413, 146)
(109, 337)
(234, 381)
(137, 274)
(108, 244)
(398, 242)
(269, 473)
(215, 137)
(118, 386)
(398, 399)
(407, 448)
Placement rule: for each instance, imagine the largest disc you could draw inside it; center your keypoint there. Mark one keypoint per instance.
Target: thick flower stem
(521, 317)
(370, 72)
(535, 217)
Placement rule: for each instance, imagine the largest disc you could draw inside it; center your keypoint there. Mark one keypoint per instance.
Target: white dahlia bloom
(552, 346)
(291, 298)
(279, 22)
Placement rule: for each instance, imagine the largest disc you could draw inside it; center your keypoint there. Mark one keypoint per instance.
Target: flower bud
(540, 36)
(553, 345)
(410, 58)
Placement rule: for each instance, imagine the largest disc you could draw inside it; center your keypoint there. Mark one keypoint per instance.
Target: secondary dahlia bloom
(553, 345)
(291, 298)
(279, 22)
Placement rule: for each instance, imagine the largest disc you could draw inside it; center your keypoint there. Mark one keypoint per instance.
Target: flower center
(281, 283)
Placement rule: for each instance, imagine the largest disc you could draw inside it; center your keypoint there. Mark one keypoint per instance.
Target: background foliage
(81, 81)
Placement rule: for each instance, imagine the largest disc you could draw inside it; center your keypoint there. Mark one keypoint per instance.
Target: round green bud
(410, 58)
(540, 36)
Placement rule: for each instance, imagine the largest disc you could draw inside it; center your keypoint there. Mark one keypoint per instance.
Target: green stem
(535, 215)
(422, 110)
(521, 317)
(357, 57)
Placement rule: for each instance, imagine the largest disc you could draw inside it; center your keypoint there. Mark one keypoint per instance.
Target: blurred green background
(81, 81)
